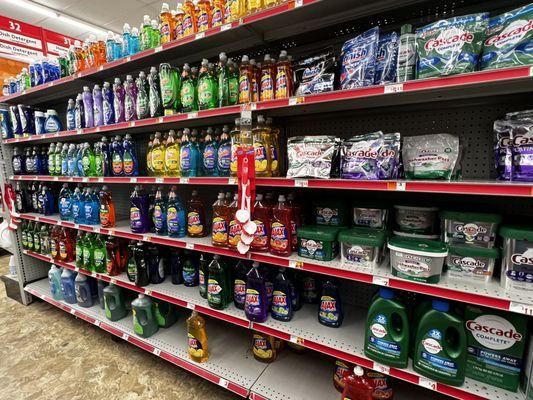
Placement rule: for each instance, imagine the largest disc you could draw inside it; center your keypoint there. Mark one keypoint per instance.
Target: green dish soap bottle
(166, 314)
(440, 346)
(114, 304)
(218, 286)
(144, 321)
(188, 91)
(387, 331)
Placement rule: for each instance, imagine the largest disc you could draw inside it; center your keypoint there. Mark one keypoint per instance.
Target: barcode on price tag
(148, 292)
(128, 59)
(133, 180)
(184, 180)
(232, 181)
(76, 269)
(160, 120)
(189, 246)
(56, 178)
(190, 306)
(301, 183)
(253, 106)
(192, 115)
(159, 180)
(97, 323)
(146, 238)
(223, 382)
(79, 131)
(101, 68)
(379, 280)
(394, 88)
(427, 383)
(400, 186)
(113, 281)
(132, 124)
(225, 27)
(384, 369)
(96, 230)
(199, 35)
(158, 49)
(93, 274)
(298, 3)
(76, 226)
(97, 129)
(521, 308)
(157, 352)
(85, 180)
(100, 180)
(125, 336)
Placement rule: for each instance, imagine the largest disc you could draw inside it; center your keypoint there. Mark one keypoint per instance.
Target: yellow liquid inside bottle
(264, 347)
(197, 338)
(149, 166)
(274, 149)
(235, 135)
(172, 157)
(236, 9)
(262, 149)
(253, 6)
(271, 3)
(158, 157)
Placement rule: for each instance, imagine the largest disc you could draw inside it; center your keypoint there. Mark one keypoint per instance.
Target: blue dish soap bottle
(117, 157)
(68, 286)
(108, 104)
(65, 203)
(129, 157)
(210, 153)
(71, 115)
(185, 154)
(330, 306)
(91, 207)
(176, 219)
(77, 207)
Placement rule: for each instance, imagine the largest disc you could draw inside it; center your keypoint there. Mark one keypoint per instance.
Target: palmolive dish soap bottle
(440, 345)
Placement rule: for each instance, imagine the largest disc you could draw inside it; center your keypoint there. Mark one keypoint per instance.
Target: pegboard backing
(472, 124)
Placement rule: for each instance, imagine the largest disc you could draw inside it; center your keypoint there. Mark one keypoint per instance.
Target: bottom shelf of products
(231, 365)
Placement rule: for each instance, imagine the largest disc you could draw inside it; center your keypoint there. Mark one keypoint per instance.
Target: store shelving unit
(231, 365)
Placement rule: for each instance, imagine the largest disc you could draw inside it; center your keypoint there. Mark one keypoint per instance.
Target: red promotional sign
(56, 42)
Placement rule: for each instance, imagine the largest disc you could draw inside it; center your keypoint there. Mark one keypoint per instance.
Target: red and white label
(384, 369)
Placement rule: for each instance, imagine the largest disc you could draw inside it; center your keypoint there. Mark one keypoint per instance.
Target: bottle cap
(141, 296)
(441, 305)
(221, 195)
(86, 88)
(281, 198)
(135, 31)
(407, 28)
(255, 264)
(51, 112)
(165, 7)
(96, 87)
(259, 197)
(358, 371)
(245, 59)
(386, 293)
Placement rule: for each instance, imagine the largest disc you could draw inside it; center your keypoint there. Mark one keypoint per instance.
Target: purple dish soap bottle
(256, 301)
(108, 104)
(88, 107)
(130, 100)
(120, 94)
(98, 106)
(139, 211)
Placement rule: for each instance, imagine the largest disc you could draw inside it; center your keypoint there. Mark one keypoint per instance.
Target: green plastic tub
(417, 260)
(362, 247)
(318, 242)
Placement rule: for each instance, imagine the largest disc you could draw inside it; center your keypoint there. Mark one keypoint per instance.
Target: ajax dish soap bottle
(264, 347)
(440, 346)
(387, 331)
(197, 338)
(330, 306)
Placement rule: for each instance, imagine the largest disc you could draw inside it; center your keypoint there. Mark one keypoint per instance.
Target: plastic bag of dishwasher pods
(371, 156)
(509, 39)
(430, 156)
(358, 60)
(386, 59)
(315, 74)
(503, 155)
(310, 156)
(450, 46)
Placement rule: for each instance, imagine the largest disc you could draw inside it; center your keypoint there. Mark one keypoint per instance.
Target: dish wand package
(386, 59)
(358, 60)
(430, 156)
(451, 46)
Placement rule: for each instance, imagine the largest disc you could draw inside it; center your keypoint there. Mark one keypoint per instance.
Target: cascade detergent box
(495, 346)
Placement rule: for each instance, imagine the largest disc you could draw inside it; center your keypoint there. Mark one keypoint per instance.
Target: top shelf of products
(290, 18)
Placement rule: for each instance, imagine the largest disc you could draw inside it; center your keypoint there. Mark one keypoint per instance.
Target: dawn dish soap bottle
(176, 215)
(387, 330)
(117, 157)
(129, 157)
(210, 153)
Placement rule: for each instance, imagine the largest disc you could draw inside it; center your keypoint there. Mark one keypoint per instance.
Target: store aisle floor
(47, 354)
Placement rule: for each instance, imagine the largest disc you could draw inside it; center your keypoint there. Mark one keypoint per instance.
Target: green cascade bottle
(88, 252)
(114, 303)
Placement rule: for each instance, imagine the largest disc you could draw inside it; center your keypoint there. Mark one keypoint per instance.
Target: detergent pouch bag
(371, 157)
(503, 155)
(450, 46)
(358, 60)
(431, 156)
(386, 59)
(310, 156)
(509, 40)
(315, 74)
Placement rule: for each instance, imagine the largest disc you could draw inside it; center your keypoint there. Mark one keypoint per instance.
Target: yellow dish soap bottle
(197, 338)
(158, 155)
(262, 144)
(235, 135)
(172, 155)
(274, 147)
(149, 165)
(264, 347)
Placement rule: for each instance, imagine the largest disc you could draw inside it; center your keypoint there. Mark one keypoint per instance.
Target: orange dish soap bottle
(245, 80)
(219, 227)
(280, 231)
(283, 76)
(189, 23)
(218, 11)
(204, 15)
(197, 338)
(166, 30)
(268, 79)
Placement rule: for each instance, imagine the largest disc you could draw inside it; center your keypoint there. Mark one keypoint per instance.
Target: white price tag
(128, 59)
(132, 124)
(298, 3)
(253, 106)
(159, 180)
(378, 280)
(400, 186)
(246, 114)
(73, 311)
(427, 383)
(189, 246)
(100, 180)
(96, 230)
(23, 92)
(521, 308)
(76, 269)
(79, 131)
(191, 306)
(396, 88)
(184, 180)
(199, 35)
(295, 100)
(156, 351)
(85, 179)
(56, 134)
(51, 83)
(125, 336)
(97, 323)
(225, 27)
(384, 369)
(56, 178)
(531, 71)
(93, 274)
(296, 339)
(160, 120)
(301, 183)
(232, 181)
(97, 129)
(146, 238)
(192, 115)
(295, 264)
(223, 382)
(76, 226)
(101, 68)
(158, 49)
(78, 75)
(148, 292)
(113, 281)
(37, 219)
(133, 180)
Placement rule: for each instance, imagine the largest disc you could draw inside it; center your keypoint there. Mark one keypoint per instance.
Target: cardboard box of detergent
(495, 346)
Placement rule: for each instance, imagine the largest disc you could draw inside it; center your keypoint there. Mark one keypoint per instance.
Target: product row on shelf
(446, 341)
(469, 247)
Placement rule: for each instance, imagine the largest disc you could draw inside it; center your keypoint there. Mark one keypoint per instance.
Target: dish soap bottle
(114, 304)
(144, 322)
(107, 208)
(330, 305)
(197, 338)
(196, 226)
(172, 155)
(129, 157)
(218, 288)
(280, 231)
(256, 301)
(281, 301)
(139, 211)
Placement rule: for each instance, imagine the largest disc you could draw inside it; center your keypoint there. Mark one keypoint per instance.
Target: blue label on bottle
(159, 217)
(71, 120)
(224, 157)
(185, 159)
(65, 208)
(209, 157)
(189, 273)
